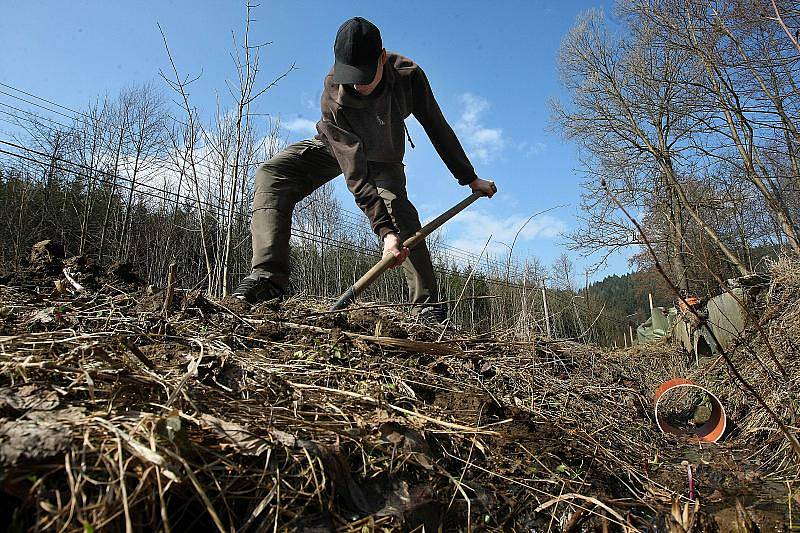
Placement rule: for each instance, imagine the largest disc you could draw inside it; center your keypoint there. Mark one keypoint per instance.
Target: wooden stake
(139, 354)
(171, 277)
(546, 312)
(650, 296)
(630, 328)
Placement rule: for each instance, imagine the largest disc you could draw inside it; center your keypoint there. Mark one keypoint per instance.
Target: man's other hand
(485, 186)
(392, 245)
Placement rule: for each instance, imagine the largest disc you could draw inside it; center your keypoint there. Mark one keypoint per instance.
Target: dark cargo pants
(298, 170)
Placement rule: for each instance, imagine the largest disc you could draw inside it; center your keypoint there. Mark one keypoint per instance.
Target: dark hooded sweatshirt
(362, 129)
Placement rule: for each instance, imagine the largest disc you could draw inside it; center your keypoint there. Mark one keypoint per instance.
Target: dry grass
(221, 417)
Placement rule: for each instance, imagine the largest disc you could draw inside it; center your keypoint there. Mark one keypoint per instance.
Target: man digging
(365, 100)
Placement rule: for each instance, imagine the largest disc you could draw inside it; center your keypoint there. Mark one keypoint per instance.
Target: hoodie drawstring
(408, 135)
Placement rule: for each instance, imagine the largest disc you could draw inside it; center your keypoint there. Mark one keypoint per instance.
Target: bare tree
(188, 143)
(634, 115)
(118, 117)
(144, 146)
(746, 86)
(230, 148)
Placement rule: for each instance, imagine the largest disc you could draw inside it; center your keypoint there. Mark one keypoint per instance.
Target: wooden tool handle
(386, 262)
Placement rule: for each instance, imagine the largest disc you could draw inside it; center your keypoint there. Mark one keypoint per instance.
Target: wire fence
(50, 195)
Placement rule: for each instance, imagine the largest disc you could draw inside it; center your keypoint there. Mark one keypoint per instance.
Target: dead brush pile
(768, 357)
(118, 414)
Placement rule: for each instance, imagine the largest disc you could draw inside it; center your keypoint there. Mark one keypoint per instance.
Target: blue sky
(492, 66)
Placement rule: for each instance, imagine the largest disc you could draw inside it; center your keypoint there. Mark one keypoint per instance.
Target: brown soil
(357, 433)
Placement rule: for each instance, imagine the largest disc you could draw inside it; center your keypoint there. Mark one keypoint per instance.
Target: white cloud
(531, 148)
(310, 100)
(469, 230)
(427, 210)
(300, 125)
(482, 143)
(537, 148)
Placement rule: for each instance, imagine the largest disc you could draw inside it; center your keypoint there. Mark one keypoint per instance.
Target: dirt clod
(47, 256)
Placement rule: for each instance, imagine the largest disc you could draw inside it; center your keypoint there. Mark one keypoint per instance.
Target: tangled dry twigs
(117, 417)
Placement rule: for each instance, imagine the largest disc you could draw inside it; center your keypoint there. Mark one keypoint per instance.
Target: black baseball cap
(357, 49)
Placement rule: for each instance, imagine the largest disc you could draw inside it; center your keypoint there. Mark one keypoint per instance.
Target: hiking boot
(432, 315)
(255, 290)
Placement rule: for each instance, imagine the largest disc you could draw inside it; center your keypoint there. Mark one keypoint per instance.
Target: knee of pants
(273, 201)
(272, 190)
(402, 211)
(270, 180)
(267, 177)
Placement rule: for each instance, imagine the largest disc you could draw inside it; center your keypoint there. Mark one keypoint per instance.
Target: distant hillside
(626, 295)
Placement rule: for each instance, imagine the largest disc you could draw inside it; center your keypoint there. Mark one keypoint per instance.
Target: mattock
(386, 262)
